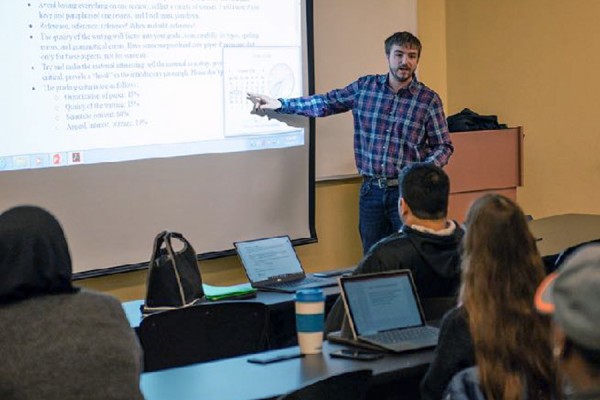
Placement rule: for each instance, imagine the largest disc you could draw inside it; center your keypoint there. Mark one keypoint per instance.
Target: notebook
(384, 310)
(272, 264)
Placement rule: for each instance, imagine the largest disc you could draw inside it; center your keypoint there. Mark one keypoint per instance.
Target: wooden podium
(484, 161)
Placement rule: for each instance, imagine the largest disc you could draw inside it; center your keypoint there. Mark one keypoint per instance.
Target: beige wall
(431, 22)
(534, 63)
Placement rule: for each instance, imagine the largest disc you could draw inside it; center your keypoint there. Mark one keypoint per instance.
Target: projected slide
(269, 70)
(114, 80)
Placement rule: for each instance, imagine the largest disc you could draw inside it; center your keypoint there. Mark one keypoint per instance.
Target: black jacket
(434, 261)
(453, 353)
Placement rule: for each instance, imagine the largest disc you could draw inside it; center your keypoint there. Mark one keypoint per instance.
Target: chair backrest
(347, 386)
(563, 255)
(203, 332)
(464, 385)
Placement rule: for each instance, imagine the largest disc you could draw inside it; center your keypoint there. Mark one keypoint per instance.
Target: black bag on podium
(174, 278)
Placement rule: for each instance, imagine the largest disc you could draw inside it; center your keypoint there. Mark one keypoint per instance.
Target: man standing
(397, 121)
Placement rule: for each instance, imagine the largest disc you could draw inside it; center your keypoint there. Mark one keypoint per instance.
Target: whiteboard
(349, 36)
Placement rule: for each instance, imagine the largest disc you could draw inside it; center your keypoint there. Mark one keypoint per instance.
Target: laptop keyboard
(403, 335)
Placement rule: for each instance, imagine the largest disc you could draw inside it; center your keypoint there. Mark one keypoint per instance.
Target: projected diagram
(271, 70)
(280, 81)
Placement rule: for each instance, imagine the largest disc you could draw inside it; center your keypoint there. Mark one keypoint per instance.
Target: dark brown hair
(402, 39)
(425, 188)
(501, 270)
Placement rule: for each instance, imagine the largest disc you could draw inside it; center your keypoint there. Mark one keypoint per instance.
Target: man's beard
(398, 74)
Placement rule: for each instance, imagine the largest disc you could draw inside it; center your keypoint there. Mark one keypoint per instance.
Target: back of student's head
(572, 296)
(425, 188)
(501, 271)
(496, 223)
(34, 255)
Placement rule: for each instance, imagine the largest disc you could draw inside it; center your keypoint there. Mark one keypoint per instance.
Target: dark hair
(425, 188)
(34, 255)
(590, 356)
(403, 39)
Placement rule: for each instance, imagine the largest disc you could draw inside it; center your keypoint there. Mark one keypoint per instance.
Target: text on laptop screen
(381, 304)
(266, 258)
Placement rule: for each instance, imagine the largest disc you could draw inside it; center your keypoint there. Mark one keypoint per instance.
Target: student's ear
(404, 209)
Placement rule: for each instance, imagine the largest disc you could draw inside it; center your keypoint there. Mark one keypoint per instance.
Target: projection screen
(128, 117)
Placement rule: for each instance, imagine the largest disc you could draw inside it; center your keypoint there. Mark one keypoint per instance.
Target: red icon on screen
(56, 159)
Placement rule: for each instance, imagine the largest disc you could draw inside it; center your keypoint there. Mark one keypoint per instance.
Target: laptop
(271, 264)
(384, 311)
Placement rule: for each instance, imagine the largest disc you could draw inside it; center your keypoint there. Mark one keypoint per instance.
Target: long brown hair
(501, 271)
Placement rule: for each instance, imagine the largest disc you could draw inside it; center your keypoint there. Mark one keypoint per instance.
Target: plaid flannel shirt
(391, 130)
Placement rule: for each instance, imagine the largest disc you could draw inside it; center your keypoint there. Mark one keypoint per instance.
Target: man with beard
(397, 121)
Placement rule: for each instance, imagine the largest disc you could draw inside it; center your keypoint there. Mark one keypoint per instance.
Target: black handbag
(174, 278)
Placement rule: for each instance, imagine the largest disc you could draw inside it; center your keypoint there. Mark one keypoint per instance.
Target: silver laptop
(383, 310)
(272, 264)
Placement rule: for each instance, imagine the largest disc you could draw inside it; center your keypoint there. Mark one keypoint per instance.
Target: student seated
(427, 244)
(57, 341)
(496, 326)
(572, 296)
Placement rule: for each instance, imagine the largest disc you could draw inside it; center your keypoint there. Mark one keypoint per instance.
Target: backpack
(468, 120)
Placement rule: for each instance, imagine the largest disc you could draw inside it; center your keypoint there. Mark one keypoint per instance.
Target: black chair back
(347, 386)
(563, 255)
(203, 332)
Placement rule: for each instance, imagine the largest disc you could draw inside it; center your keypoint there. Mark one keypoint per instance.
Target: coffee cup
(310, 315)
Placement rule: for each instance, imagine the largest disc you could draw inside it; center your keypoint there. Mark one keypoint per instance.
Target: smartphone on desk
(353, 354)
(269, 359)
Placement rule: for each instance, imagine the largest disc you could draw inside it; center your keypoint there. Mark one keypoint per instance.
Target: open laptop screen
(380, 302)
(266, 258)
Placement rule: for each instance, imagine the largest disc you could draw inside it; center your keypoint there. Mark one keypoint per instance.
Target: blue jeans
(378, 213)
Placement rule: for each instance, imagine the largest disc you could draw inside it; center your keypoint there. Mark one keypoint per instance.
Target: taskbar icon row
(46, 160)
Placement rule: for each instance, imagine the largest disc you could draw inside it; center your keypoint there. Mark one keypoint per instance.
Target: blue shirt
(391, 130)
